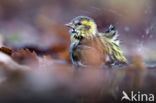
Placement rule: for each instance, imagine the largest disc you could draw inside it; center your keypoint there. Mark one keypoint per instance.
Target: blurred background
(39, 24)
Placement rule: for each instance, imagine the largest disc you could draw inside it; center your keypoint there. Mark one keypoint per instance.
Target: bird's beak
(71, 25)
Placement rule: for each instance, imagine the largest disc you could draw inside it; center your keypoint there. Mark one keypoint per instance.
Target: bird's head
(83, 25)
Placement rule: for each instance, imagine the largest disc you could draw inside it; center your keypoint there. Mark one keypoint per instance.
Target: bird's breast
(86, 54)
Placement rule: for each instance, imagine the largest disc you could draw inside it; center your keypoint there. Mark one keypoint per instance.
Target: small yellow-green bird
(90, 47)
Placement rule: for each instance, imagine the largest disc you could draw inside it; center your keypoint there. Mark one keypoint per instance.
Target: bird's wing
(112, 34)
(113, 50)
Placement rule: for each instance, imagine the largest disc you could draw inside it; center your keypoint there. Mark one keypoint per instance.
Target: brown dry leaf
(7, 50)
(64, 55)
(47, 58)
(25, 57)
(9, 64)
(58, 48)
(60, 51)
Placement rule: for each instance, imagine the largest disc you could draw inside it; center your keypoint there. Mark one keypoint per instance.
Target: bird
(88, 46)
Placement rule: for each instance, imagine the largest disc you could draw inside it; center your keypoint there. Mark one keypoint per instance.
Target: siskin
(90, 47)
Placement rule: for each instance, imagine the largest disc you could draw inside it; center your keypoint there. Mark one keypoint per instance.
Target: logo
(137, 96)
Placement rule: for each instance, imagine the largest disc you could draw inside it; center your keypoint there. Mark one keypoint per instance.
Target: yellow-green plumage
(113, 50)
(85, 39)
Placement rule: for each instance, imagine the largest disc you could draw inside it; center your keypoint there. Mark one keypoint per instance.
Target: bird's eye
(79, 23)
